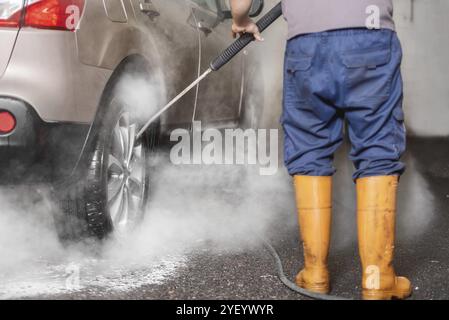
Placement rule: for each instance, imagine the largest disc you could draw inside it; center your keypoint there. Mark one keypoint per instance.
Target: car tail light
(7, 122)
(10, 13)
(53, 14)
(44, 14)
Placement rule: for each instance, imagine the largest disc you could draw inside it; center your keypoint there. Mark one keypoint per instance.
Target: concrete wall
(423, 26)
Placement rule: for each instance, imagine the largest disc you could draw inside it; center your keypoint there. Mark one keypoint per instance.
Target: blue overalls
(353, 74)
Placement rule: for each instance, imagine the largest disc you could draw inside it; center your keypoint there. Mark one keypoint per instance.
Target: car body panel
(101, 41)
(218, 100)
(115, 10)
(164, 41)
(62, 76)
(176, 45)
(74, 67)
(45, 72)
(7, 40)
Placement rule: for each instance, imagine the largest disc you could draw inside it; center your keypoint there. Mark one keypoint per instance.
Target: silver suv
(79, 77)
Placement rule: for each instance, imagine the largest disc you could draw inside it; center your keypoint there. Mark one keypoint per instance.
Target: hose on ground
(289, 284)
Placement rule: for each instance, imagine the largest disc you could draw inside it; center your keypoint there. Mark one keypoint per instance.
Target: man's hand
(242, 22)
(246, 26)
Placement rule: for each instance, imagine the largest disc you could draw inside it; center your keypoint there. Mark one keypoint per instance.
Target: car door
(177, 48)
(219, 96)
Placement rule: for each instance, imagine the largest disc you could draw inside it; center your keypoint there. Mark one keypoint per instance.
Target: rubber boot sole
(386, 295)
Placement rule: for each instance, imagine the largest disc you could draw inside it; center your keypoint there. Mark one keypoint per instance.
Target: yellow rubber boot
(376, 211)
(314, 202)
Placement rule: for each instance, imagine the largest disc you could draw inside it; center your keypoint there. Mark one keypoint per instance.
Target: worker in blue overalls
(342, 61)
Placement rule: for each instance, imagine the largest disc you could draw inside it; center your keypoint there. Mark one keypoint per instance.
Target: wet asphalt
(422, 251)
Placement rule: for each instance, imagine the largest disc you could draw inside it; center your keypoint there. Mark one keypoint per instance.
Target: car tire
(85, 208)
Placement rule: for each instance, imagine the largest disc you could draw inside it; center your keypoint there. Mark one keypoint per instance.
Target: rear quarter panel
(44, 71)
(166, 42)
(7, 40)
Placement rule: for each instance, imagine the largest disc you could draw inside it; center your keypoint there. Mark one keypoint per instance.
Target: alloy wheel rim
(126, 175)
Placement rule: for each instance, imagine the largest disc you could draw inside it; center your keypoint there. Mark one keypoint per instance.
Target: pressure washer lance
(225, 57)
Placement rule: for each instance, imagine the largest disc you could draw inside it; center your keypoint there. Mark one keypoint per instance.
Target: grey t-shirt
(309, 16)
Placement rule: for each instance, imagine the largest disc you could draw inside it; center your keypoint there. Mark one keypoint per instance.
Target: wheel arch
(133, 62)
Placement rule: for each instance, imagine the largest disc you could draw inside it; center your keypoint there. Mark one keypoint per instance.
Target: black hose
(292, 286)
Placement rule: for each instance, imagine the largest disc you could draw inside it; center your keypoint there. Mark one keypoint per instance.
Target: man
(337, 66)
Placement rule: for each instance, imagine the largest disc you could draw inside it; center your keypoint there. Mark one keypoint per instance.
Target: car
(79, 78)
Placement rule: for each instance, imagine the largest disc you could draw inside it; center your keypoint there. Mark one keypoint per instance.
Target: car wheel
(126, 175)
(114, 192)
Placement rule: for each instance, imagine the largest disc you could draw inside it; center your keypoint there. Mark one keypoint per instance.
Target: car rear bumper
(37, 151)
